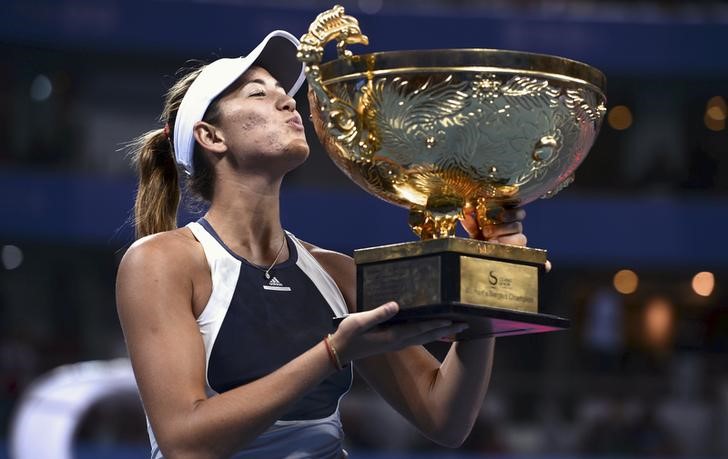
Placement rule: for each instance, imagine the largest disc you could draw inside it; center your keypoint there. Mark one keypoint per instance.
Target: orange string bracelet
(333, 355)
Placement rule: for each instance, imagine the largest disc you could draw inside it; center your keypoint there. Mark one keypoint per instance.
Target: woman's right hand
(358, 335)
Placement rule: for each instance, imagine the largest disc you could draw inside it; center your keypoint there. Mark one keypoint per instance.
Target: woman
(228, 320)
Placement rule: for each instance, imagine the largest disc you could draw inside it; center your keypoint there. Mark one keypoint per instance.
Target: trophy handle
(334, 24)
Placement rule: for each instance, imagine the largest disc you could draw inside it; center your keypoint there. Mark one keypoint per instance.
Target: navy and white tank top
(252, 326)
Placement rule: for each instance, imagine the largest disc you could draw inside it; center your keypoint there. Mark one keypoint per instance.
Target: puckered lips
(296, 122)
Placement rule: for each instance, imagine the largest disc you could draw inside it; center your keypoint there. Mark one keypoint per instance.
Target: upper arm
(154, 301)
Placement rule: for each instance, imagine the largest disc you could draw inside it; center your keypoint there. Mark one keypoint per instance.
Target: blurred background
(637, 242)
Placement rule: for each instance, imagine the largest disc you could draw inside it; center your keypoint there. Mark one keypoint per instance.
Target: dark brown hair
(158, 193)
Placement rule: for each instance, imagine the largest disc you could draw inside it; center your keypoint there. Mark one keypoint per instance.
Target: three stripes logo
(276, 285)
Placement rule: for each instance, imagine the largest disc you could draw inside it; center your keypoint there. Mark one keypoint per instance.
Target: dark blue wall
(577, 229)
(642, 46)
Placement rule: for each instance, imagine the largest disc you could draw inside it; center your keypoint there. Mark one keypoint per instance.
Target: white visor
(276, 53)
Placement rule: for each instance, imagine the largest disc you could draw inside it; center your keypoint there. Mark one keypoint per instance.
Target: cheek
(252, 121)
(254, 130)
(272, 138)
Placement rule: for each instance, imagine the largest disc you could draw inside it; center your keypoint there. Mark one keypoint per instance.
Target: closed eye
(257, 94)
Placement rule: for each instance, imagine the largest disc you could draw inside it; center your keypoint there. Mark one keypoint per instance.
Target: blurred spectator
(685, 412)
(627, 426)
(603, 326)
(18, 367)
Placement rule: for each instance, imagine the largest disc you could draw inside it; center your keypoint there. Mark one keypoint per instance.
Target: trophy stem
(434, 224)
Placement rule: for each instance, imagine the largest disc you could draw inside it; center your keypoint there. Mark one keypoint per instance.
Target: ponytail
(158, 194)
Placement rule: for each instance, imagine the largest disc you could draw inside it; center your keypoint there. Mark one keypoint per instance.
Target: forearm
(441, 400)
(459, 387)
(218, 426)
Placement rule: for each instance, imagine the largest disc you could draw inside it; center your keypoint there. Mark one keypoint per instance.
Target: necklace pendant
(267, 276)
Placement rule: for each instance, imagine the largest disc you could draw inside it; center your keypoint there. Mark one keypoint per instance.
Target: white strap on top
(320, 278)
(224, 270)
(213, 249)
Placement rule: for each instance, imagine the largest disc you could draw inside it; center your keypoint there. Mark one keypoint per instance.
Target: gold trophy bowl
(437, 131)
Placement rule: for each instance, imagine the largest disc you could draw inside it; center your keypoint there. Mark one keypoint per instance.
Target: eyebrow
(261, 82)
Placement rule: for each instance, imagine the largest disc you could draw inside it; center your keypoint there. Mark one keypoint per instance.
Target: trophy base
(483, 321)
(492, 287)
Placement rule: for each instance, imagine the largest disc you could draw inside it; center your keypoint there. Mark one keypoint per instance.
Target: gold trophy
(439, 130)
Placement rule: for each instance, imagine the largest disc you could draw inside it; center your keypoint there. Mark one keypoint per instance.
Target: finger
(393, 337)
(415, 332)
(513, 239)
(470, 223)
(502, 229)
(517, 214)
(408, 330)
(367, 319)
(436, 334)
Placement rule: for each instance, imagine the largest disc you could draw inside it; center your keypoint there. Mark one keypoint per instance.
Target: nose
(286, 102)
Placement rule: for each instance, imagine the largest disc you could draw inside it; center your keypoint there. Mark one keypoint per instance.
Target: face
(260, 124)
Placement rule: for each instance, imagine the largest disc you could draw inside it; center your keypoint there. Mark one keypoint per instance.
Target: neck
(246, 215)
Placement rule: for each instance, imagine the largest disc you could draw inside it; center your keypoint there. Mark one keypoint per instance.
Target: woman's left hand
(506, 229)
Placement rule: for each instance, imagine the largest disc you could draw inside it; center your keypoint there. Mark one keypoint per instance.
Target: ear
(210, 137)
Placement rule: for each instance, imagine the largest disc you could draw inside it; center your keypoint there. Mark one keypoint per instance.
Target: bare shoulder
(170, 251)
(164, 265)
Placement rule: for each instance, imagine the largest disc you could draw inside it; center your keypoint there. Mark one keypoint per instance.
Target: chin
(297, 151)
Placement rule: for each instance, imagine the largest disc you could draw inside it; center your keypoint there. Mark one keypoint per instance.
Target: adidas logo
(275, 284)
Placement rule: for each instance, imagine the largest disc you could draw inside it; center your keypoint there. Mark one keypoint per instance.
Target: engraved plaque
(411, 282)
(498, 284)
